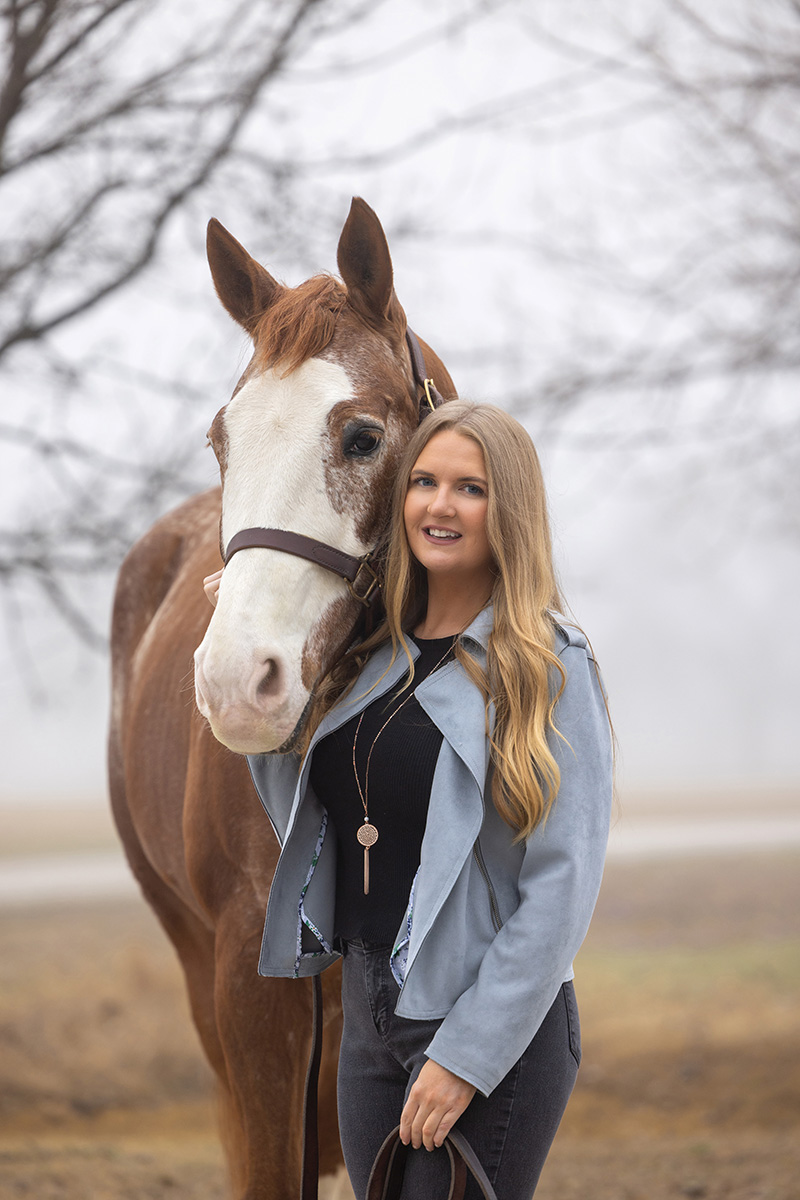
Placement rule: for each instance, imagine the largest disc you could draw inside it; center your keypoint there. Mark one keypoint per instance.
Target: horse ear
(365, 263)
(245, 288)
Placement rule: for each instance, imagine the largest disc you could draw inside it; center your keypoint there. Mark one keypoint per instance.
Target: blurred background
(592, 208)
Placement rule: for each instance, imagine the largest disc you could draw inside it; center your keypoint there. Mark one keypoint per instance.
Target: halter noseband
(350, 568)
(357, 573)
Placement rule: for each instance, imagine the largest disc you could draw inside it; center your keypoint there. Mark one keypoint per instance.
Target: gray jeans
(511, 1131)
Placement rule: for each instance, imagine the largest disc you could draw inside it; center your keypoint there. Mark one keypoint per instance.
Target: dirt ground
(689, 987)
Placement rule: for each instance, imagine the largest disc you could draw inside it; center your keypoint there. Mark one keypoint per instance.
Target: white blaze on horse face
(248, 667)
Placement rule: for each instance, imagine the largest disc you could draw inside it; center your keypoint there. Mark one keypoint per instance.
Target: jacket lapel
(456, 707)
(377, 678)
(457, 804)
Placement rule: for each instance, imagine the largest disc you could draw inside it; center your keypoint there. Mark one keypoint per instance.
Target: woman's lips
(445, 538)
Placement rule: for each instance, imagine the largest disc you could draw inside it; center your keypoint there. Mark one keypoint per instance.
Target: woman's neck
(451, 608)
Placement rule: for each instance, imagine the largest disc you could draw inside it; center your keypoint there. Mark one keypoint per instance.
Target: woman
(447, 830)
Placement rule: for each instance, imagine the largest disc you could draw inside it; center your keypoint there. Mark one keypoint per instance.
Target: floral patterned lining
(399, 956)
(398, 959)
(302, 917)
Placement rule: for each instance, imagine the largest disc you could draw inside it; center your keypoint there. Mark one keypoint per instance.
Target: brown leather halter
(357, 573)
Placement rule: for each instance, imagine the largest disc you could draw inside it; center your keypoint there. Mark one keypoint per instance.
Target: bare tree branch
(33, 327)
(104, 147)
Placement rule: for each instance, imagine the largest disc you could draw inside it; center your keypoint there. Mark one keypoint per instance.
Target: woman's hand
(211, 585)
(435, 1102)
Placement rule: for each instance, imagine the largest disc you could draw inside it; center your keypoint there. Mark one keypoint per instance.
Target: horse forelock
(299, 324)
(303, 321)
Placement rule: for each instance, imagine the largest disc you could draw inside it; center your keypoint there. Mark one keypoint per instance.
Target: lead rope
(386, 1176)
(309, 1181)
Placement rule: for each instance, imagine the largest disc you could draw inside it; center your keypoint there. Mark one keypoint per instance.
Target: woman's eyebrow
(461, 478)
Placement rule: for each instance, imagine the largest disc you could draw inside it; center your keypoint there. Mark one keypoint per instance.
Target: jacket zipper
(478, 853)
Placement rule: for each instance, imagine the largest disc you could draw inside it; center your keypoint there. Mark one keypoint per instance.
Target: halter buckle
(373, 584)
(427, 384)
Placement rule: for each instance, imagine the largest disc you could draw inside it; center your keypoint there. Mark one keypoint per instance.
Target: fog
(673, 507)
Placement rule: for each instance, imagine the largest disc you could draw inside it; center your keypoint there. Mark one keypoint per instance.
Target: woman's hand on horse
(211, 585)
(436, 1101)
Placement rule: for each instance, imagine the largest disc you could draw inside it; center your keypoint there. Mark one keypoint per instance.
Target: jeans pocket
(573, 1021)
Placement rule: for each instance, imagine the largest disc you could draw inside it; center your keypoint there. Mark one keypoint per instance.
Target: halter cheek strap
(431, 397)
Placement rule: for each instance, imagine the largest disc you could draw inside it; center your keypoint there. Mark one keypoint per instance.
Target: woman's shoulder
(567, 634)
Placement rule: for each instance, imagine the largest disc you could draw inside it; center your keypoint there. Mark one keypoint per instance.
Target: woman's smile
(440, 535)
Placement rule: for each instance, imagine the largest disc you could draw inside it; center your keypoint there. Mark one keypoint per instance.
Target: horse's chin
(288, 746)
(259, 737)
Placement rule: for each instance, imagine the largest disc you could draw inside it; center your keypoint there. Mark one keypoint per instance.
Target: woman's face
(445, 509)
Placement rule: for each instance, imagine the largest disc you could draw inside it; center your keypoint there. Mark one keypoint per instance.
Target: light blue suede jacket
(492, 926)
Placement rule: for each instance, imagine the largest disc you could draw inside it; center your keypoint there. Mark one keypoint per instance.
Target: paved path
(104, 875)
(53, 878)
(653, 838)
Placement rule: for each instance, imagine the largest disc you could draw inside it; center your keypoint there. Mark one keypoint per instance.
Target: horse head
(308, 443)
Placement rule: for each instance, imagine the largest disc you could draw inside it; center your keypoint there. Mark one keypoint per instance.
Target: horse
(308, 443)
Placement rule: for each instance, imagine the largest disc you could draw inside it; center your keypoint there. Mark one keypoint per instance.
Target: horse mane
(299, 323)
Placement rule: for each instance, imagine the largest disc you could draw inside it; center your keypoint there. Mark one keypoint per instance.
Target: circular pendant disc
(367, 834)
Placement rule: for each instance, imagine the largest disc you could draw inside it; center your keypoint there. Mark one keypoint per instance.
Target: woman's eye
(362, 443)
(473, 489)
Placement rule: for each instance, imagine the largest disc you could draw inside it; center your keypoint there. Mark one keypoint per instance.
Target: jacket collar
(457, 707)
(456, 711)
(480, 628)
(379, 675)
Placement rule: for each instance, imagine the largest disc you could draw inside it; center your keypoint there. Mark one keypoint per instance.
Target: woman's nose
(440, 502)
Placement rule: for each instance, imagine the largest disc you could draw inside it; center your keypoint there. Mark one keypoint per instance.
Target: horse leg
(265, 1029)
(255, 1032)
(192, 938)
(195, 945)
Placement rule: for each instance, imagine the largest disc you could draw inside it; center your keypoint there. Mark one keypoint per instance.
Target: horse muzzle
(251, 711)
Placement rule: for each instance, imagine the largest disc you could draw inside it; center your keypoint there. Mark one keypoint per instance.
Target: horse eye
(362, 442)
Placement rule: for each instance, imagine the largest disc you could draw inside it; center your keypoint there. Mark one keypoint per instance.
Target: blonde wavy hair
(523, 678)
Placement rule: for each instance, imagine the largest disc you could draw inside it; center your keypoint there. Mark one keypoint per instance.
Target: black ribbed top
(400, 777)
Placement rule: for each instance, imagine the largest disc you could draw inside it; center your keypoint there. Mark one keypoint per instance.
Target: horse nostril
(270, 681)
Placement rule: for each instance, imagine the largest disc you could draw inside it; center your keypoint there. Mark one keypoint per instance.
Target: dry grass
(689, 986)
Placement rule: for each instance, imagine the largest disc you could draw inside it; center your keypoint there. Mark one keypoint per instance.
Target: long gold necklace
(367, 833)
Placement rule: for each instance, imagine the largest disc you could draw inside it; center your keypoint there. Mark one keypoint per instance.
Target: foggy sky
(678, 567)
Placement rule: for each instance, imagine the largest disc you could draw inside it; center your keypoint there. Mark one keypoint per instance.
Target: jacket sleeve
(275, 777)
(492, 1023)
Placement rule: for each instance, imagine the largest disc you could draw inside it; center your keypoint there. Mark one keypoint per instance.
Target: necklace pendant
(367, 836)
